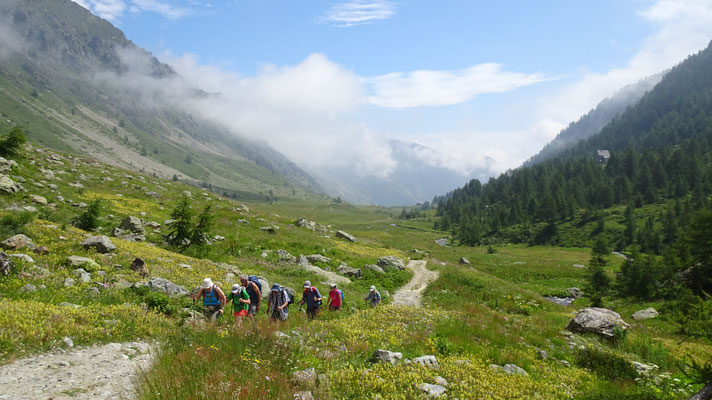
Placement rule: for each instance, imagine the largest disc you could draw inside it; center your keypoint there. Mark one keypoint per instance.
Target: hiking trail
(411, 293)
(95, 372)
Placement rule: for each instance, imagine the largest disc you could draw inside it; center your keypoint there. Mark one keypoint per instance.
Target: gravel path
(95, 372)
(412, 293)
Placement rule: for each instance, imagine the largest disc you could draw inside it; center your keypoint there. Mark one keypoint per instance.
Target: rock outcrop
(600, 321)
(391, 262)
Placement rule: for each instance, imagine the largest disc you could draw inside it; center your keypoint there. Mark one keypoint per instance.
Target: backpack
(342, 294)
(253, 278)
(290, 296)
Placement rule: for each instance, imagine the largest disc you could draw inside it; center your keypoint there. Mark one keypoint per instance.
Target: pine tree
(598, 281)
(179, 233)
(199, 235)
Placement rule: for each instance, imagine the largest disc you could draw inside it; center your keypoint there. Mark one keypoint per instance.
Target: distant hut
(602, 156)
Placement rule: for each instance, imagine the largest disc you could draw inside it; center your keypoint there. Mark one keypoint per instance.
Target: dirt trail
(412, 293)
(96, 372)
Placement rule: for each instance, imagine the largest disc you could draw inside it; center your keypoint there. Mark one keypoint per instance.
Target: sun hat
(236, 288)
(373, 288)
(333, 286)
(207, 283)
(276, 287)
(307, 284)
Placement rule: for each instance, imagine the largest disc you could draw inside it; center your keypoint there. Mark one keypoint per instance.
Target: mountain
(413, 180)
(70, 80)
(592, 123)
(660, 151)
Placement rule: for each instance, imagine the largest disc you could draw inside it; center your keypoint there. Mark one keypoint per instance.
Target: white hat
(236, 288)
(207, 283)
(307, 284)
(373, 288)
(333, 285)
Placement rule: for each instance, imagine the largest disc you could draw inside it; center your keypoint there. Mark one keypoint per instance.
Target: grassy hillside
(488, 313)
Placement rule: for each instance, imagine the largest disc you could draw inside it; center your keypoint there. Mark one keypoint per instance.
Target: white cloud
(442, 88)
(163, 9)
(358, 12)
(108, 9)
(10, 41)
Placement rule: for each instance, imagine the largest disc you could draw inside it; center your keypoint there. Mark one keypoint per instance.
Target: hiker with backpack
(336, 298)
(312, 298)
(240, 303)
(254, 290)
(278, 303)
(213, 299)
(373, 296)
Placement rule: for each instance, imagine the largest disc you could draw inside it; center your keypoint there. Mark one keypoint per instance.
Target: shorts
(253, 309)
(240, 313)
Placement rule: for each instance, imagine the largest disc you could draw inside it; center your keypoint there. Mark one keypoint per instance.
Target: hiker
(240, 303)
(254, 290)
(278, 301)
(213, 299)
(336, 296)
(312, 298)
(373, 296)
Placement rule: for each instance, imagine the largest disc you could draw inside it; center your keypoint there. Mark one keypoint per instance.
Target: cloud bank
(112, 10)
(358, 12)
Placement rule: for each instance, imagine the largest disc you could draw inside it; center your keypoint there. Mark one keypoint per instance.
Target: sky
(484, 85)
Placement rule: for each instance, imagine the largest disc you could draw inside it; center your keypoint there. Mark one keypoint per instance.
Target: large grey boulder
(318, 258)
(133, 224)
(391, 262)
(600, 321)
(648, 313)
(385, 356)
(7, 185)
(344, 235)
(348, 271)
(17, 242)
(374, 268)
(165, 286)
(427, 361)
(102, 244)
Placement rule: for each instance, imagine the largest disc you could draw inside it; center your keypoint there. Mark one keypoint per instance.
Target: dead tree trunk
(704, 394)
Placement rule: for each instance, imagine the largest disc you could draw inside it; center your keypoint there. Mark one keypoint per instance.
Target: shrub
(89, 220)
(11, 144)
(605, 363)
(11, 224)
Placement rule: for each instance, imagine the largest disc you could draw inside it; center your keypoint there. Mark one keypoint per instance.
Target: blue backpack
(253, 278)
(342, 294)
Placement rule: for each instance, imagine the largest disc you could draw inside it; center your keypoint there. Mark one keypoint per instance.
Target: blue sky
(328, 83)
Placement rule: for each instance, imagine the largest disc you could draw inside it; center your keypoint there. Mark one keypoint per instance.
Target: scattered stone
(374, 268)
(464, 261)
(348, 271)
(38, 199)
(68, 282)
(318, 258)
(285, 257)
(427, 361)
(77, 261)
(68, 341)
(391, 262)
(579, 266)
(218, 238)
(303, 395)
(7, 185)
(29, 288)
(153, 225)
(139, 266)
(17, 242)
(52, 186)
(165, 286)
(67, 304)
(306, 377)
(270, 229)
(186, 266)
(512, 369)
(102, 244)
(648, 313)
(303, 223)
(133, 224)
(155, 195)
(432, 390)
(40, 250)
(574, 292)
(344, 235)
(302, 261)
(439, 380)
(83, 275)
(385, 356)
(543, 355)
(565, 363)
(600, 321)
(644, 369)
(242, 221)
(23, 257)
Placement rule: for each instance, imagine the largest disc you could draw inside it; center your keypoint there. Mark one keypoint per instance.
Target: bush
(89, 220)
(12, 143)
(12, 224)
(605, 363)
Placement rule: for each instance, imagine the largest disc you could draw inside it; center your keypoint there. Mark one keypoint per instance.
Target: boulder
(432, 390)
(23, 257)
(574, 292)
(648, 313)
(427, 361)
(83, 275)
(512, 369)
(285, 256)
(102, 244)
(318, 258)
(306, 377)
(600, 321)
(302, 261)
(68, 282)
(304, 395)
(29, 288)
(464, 261)
(391, 262)
(139, 266)
(348, 271)
(38, 199)
(77, 261)
(374, 268)
(5, 165)
(40, 250)
(303, 223)
(164, 286)
(439, 380)
(344, 235)
(7, 185)
(385, 356)
(133, 224)
(17, 242)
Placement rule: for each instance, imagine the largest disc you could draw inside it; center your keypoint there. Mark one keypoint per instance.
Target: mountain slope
(62, 77)
(592, 123)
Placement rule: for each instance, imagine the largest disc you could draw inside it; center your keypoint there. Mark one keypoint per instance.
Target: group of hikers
(246, 299)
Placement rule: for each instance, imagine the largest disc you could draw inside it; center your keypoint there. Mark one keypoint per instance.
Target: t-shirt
(335, 297)
(309, 296)
(236, 304)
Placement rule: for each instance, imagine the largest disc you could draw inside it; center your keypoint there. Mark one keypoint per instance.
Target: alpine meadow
(355, 199)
